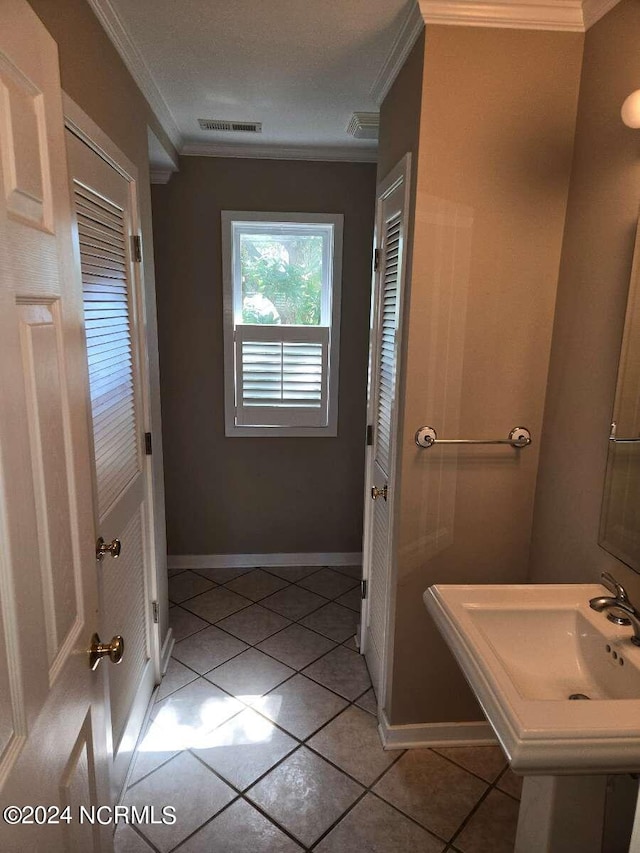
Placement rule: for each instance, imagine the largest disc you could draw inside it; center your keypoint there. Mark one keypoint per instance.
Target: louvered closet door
(390, 225)
(103, 207)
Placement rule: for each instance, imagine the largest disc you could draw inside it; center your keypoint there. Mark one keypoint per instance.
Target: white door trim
(82, 126)
(400, 174)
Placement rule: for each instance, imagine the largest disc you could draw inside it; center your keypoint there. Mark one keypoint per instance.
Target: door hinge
(369, 435)
(148, 447)
(363, 589)
(376, 260)
(136, 246)
(155, 611)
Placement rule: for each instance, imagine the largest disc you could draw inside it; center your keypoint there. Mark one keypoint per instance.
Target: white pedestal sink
(525, 651)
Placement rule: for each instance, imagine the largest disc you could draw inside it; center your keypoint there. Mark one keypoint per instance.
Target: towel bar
(519, 437)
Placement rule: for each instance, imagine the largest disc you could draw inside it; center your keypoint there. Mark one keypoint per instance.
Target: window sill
(233, 431)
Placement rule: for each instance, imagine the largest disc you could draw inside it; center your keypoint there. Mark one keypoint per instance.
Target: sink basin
(526, 650)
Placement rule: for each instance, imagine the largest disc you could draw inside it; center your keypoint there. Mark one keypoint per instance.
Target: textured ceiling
(299, 67)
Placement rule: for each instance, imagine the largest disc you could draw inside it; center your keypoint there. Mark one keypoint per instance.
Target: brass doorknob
(114, 650)
(114, 548)
(379, 493)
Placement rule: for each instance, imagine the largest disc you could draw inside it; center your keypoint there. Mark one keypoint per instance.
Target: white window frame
(295, 424)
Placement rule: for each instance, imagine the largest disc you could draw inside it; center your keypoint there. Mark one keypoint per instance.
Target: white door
(52, 732)
(106, 220)
(391, 217)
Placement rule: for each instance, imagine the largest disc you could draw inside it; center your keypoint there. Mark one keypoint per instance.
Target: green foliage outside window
(281, 279)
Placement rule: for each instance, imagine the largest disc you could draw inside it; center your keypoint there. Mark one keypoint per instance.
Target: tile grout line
(253, 708)
(469, 816)
(257, 601)
(268, 637)
(368, 789)
(304, 742)
(351, 702)
(144, 838)
(492, 786)
(301, 742)
(254, 645)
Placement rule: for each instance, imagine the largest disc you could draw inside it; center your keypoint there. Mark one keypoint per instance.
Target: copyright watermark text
(103, 815)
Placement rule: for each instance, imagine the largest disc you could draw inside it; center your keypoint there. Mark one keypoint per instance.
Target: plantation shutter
(387, 355)
(281, 375)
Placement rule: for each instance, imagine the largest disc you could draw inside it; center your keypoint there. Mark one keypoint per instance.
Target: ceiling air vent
(364, 125)
(230, 126)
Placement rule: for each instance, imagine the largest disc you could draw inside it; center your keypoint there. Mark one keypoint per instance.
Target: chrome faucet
(620, 609)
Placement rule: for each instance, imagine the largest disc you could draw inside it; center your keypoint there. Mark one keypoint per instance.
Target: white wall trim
(167, 648)
(560, 15)
(82, 126)
(563, 15)
(424, 735)
(406, 37)
(132, 58)
(277, 152)
(245, 561)
(567, 15)
(161, 176)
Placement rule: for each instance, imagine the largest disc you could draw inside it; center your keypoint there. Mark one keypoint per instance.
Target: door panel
(391, 215)
(50, 701)
(41, 345)
(105, 213)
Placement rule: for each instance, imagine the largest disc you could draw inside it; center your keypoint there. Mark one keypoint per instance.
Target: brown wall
(400, 114)
(95, 77)
(592, 293)
(498, 117)
(262, 495)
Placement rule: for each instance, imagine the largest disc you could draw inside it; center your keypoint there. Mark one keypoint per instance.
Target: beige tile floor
(263, 734)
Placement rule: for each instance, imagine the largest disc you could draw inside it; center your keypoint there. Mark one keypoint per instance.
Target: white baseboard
(424, 735)
(165, 653)
(246, 561)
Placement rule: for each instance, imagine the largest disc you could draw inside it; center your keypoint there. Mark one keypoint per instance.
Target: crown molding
(277, 152)
(406, 37)
(562, 15)
(593, 10)
(132, 58)
(559, 15)
(161, 176)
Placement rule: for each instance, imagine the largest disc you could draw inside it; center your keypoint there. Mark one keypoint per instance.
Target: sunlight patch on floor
(171, 730)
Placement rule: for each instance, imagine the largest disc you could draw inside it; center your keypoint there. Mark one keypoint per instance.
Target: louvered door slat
(95, 329)
(102, 232)
(98, 284)
(116, 478)
(105, 365)
(94, 241)
(107, 348)
(91, 213)
(115, 414)
(106, 401)
(387, 354)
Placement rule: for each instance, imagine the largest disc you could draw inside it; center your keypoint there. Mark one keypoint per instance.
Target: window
(281, 322)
